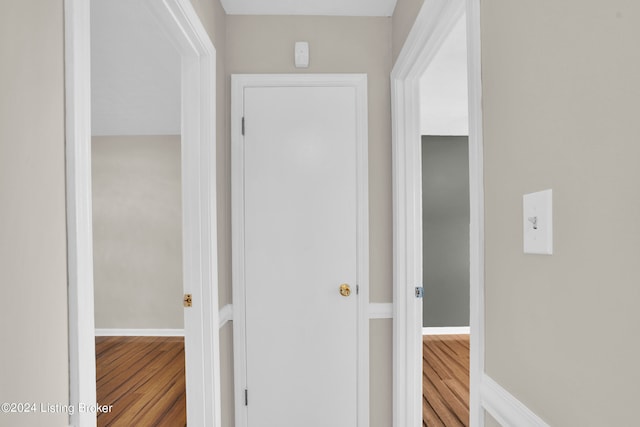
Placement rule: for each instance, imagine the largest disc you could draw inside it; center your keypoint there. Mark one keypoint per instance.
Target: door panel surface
(300, 230)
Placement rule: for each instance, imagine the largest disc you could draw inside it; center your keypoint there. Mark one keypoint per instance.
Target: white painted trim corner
(505, 408)
(82, 366)
(476, 205)
(448, 330)
(225, 314)
(106, 332)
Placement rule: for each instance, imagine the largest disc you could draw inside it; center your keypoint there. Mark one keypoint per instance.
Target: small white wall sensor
(301, 52)
(538, 222)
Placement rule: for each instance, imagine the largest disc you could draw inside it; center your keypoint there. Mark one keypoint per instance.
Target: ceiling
(310, 7)
(444, 101)
(135, 71)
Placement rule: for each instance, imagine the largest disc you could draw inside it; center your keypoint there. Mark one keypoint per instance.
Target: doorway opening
(444, 130)
(196, 149)
(433, 25)
(137, 217)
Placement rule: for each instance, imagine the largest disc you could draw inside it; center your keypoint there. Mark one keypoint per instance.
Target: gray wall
(33, 265)
(560, 102)
(264, 44)
(137, 232)
(445, 230)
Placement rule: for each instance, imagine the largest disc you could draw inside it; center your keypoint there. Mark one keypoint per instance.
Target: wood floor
(445, 380)
(143, 378)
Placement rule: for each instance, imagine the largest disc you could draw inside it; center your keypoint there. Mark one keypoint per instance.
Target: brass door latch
(187, 301)
(345, 290)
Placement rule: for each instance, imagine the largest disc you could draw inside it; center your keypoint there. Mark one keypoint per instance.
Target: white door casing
(299, 232)
(432, 25)
(199, 212)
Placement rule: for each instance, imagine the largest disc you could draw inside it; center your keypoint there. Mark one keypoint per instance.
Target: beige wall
(137, 232)
(33, 280)
(489, 421)
(264, 44)
(560, 98)
(404, 15)
(226, 377)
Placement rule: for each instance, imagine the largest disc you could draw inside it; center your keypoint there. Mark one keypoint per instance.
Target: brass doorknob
(345, 290)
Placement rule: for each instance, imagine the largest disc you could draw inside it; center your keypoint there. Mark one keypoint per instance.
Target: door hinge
(419, 292)
(246, 397)
(243, 126)
(357, 289)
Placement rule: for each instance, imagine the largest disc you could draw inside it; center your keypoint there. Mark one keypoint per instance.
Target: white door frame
(433, 23)
(199, 208)
(238, 83)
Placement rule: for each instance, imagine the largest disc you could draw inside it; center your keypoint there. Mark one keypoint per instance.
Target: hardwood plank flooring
(445, 381)
(143, 378)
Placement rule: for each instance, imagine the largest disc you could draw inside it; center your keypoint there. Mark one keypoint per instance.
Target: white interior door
(300, 244)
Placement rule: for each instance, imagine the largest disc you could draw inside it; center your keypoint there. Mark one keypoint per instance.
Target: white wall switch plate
(538, 222)
(301, 52)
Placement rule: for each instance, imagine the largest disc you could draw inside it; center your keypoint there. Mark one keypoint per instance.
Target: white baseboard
(139, 332)
(505, 408)
(448, 330)
(225, 314)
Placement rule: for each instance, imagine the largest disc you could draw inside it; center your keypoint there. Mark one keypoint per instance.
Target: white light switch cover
(301, 54)
(538, 222)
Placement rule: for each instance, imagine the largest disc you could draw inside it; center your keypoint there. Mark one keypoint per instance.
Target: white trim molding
(82, 365)
(225, 315)
(379, 310)
(199, 211)
(433, 24)
(359, 82)
(448, 330)
(102, 332)
(476, 210)
(505, 408)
